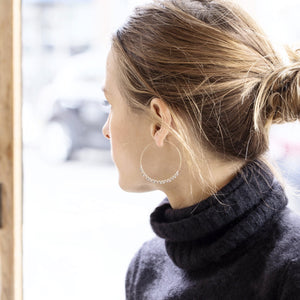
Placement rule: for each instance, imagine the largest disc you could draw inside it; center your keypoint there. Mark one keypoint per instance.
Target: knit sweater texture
(242, 243)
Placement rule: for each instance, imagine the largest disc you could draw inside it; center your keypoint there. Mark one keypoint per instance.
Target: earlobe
(160, 128)
(159, 138)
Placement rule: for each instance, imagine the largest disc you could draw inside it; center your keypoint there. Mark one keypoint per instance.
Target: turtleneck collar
(204, 234)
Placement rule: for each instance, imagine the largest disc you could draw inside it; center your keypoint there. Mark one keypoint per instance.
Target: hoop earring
(163, 181)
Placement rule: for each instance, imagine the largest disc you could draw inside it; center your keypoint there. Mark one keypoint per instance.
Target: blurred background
(80, 229)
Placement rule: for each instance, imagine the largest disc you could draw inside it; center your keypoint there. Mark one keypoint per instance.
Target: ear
(160, 129)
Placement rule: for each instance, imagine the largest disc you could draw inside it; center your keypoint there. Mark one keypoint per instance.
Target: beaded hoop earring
(163, 181)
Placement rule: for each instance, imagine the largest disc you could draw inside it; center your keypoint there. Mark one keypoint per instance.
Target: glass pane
(80, 229)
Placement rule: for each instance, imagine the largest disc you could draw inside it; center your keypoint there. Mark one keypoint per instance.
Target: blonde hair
(216, 70)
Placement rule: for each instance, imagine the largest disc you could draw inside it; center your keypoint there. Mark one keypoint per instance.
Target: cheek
(124, 149)
(127, 140)
(117, 138)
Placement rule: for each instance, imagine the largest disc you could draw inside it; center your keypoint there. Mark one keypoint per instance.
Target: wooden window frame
(10, 151)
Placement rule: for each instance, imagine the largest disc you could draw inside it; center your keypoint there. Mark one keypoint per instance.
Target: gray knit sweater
(243, 243)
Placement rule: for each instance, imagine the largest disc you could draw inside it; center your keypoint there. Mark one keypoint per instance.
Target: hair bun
(278, 97)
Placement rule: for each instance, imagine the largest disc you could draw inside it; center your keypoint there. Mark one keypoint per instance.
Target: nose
(105, 128)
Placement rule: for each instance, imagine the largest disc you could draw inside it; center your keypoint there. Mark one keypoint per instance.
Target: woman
(194, 87)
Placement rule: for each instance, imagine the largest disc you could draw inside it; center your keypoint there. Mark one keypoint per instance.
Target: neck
(186, 190)
(241, 209)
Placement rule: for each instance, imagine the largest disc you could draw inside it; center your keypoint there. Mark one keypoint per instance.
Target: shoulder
(290, 232)
(150, 252)
(290, 285)
(291, 218)
(288, 248)
(285, 233)
(145, 266)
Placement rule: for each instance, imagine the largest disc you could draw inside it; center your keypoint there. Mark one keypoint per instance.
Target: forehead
(108, 59)
(110, 63)
(110, 78)
(111, 86)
